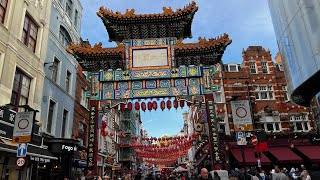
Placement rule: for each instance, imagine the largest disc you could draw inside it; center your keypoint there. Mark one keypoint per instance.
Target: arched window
(64, 36)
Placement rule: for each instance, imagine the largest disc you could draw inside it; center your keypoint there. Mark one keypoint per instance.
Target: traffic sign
(241, 115)
(22, 130)
(22, 150)
(241, 138)
(254, 140)
(21, 162)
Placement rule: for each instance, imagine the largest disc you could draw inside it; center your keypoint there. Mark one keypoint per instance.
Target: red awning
(284, 154)
(312, 152)
(249, 155)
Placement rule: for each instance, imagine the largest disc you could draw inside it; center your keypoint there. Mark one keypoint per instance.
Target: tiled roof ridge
(86, 48)
(204, 43)
(130, 14)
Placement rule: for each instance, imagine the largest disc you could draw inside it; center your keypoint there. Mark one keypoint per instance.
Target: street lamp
(52, 67)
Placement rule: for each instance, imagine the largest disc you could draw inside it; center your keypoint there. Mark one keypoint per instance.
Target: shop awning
(249, 156)
(32, 151)
(200, 160)
(312, 152)
(284, 154)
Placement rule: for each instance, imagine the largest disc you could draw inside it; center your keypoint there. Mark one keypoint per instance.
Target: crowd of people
(277, 173)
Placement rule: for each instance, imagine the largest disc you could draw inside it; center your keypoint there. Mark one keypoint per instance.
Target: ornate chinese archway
(151, 61)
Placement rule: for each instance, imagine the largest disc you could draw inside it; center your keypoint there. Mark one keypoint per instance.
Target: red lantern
(122, 107)
(162, 105)
(129, 106)
(103, 124)
(103, 133)
(181, 103)
(169, 104)
(143, 106)
(111, 134)
(116, 107)
(150, 106)
(137, 106)
(155, 105)
(175, 103)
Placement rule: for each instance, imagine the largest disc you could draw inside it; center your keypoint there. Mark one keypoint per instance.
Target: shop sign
(23, 124)
(91, 139)
(68, 148)
(7, 115)
(213, 129)
(39, 159)
(6, 131)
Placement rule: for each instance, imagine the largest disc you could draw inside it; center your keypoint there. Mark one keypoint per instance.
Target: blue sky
(248, 22)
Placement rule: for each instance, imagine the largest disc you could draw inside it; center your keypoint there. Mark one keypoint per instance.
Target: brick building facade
(81, 111)
(262, 82)
(81, 119)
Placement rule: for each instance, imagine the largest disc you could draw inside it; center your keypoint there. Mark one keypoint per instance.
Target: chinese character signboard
(213, 130)
(91, 139)
(7, 115)
(241, 115)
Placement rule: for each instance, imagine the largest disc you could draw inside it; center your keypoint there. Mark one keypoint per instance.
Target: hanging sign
(241, 138)
(91, 139)
(23, 124)
(241, 115)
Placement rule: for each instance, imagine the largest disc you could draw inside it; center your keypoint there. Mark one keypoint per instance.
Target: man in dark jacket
(204, 175)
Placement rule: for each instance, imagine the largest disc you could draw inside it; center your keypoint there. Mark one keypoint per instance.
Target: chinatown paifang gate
(151, 61)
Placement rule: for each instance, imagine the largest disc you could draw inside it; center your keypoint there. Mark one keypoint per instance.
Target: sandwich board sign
(241, 115)
(23, 124)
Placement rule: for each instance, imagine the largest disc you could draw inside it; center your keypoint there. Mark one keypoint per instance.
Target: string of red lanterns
(153, 105)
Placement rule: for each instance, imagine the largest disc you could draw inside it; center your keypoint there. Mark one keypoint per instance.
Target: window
(300, 123)
(68, 79)
(271, 123)
(64, 37)
(84, 99)
(264, 67)
(233, 68)
(285, 93)
(76, 14)
(64, 122)
(82, 133)
(29, 33)
(218, 97)
(3, 9)
(50, 115)
(263, 92)
(54, 69)
(69, 8)
(20, 91)
(222, 128)
(280, 66)
(252, 66)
